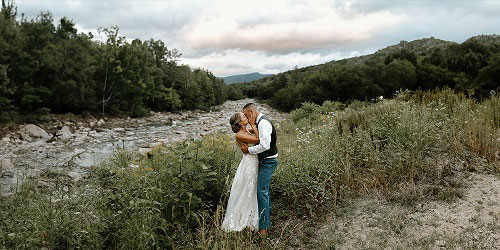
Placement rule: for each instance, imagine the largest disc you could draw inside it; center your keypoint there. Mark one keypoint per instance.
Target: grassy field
(383, 159)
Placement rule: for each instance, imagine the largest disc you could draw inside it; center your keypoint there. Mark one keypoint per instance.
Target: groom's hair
(249, 106)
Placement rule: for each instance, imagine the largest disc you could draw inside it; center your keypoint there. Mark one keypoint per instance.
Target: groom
(267, 153)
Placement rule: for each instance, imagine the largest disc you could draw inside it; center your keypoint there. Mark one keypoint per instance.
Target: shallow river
(91, 142)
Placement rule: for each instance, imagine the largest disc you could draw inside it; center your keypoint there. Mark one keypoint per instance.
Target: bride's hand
(244, 148)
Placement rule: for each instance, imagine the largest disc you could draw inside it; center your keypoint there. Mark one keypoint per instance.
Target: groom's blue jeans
(266, 169)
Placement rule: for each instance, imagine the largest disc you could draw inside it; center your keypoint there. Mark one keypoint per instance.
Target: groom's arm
(265, 130)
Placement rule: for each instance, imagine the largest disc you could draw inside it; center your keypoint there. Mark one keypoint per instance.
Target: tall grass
(411, 148)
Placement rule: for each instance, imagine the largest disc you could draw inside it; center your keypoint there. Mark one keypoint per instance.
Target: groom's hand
(244, 149)
(252, 119)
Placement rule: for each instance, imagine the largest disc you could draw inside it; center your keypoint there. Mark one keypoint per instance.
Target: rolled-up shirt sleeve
(265, 130)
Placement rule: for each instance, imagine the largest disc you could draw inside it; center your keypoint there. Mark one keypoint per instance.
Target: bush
(140, 111)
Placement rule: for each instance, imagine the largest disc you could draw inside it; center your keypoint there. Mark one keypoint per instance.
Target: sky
(270, 36)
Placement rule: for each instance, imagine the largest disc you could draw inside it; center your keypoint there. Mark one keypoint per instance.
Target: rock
(74, 175)
(6, 139)
(93, 133)
(441, 243)
(100, 122)
(164, 141)
(32, 131)
(92, 123)
(155, 144)
(5, 164)
(64, 134)
(145, 150)
(80, 137)
(78, 151)
(118, 130)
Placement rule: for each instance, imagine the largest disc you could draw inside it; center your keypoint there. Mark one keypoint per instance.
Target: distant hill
(244, 77)
(423, 64)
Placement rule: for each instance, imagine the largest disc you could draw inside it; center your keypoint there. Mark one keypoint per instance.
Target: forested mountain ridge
(244, 77)
(471, 67)
(47, 67)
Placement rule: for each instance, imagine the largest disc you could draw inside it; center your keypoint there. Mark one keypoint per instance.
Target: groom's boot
(263, 233)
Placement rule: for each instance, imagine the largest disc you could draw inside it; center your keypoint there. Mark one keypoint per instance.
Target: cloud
(283, 28)
(230, 36)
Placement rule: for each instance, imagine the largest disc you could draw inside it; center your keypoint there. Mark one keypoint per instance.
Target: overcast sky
(270, 36)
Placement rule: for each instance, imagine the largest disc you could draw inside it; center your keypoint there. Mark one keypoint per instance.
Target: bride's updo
(235, 122)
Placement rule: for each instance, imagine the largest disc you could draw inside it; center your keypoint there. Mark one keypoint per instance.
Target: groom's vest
(273, 149)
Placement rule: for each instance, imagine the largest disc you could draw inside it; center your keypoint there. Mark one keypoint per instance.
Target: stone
(64, 134)
(75, 176)
(155, 144)
(118, 130)
(100, 122)
(5, 164)
(32, 131)
(145, 150)
(93, 133)
(164, 141)
(441, 243)
(100, 130)
(6, 139)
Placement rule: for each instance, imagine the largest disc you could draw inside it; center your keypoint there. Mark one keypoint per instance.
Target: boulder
(5, 166)
(118, 130)
(32, 131)
(64, 134)
(100, 122)
(6, 139)
(144, 150)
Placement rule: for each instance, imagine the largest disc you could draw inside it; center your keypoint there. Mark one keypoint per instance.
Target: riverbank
(69, 147)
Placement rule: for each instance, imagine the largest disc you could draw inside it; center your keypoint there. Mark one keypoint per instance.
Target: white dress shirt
(265, 129)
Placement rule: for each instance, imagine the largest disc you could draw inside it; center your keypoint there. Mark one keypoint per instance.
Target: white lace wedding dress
(242, 208)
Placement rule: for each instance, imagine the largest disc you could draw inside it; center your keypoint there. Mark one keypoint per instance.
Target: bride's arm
(246, 138)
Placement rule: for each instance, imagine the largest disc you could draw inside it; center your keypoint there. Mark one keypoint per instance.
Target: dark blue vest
(273, 149)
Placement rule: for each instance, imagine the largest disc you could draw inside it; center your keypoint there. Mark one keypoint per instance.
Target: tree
(110, 66)
(400, 74)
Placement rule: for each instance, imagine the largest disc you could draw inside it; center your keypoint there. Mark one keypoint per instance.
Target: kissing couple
(249, 203)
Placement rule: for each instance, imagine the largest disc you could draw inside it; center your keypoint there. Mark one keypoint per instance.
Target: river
(88, 142)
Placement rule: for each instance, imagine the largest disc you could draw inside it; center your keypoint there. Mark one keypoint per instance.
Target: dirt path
(471, 222)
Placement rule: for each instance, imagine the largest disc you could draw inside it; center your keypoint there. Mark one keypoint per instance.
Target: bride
(242, 207)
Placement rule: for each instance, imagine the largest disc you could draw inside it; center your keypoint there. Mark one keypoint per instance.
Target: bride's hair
(235, 122)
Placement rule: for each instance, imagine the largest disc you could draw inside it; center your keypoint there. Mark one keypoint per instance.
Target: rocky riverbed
(68, 149)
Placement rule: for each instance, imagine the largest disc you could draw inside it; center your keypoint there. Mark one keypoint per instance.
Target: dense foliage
(471, 67)
(47, 68)
(412, 148)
